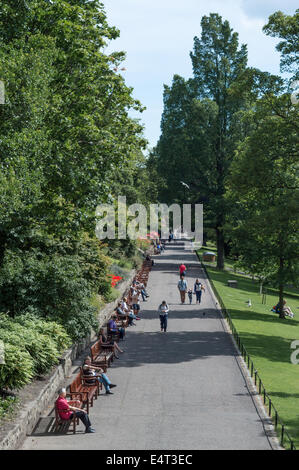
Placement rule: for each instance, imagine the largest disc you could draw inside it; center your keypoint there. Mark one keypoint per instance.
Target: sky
(157, 36)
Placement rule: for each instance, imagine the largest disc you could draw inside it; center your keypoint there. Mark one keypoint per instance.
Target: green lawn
(267, 339)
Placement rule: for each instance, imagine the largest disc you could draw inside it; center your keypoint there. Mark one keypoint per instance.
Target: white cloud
(265, 8)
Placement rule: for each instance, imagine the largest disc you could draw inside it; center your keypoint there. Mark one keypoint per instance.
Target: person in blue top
(113, 328)
(182, 286)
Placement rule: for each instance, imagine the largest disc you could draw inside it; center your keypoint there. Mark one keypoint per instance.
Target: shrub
(124, 263)
(48, 328)
(7, 405)
(53, 287)
(37, 341)
(118, 270)
(18, 369)
(41, 348)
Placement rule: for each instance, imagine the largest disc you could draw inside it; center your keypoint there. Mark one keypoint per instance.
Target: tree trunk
(261, 286)
(281, 287)
(220, 248)
(205, 239)
(227, 249)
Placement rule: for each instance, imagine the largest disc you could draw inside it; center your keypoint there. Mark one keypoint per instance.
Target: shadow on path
(198, 312)
(175, 347)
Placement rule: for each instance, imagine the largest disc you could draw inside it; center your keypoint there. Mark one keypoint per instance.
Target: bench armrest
(80, 394)
(90, 377)
(94, 363)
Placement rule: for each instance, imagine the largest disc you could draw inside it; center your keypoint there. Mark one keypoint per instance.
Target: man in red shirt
(182, 270)
(66, 411)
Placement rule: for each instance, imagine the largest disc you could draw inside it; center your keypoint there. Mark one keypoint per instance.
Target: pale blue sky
(157, 36)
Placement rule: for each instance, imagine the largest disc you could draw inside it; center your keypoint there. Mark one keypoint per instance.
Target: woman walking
(198, 288)
(163, 312)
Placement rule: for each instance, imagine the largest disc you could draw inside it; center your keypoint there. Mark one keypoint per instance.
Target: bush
(126, 264)
(48, 328)
(41, 348)
(52, 287)
(41, 339)
(18, 369)
(117, 270)
(7, 406)
(78, 325)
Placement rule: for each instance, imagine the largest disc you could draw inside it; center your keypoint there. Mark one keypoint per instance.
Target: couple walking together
(183, 288)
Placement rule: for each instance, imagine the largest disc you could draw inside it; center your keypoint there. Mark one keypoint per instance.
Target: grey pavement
(177, 390)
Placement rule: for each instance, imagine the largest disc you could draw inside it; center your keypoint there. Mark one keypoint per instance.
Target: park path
(177, 390)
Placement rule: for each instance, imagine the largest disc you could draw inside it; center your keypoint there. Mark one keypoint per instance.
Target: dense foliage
(64, 130)
(229, 140)
(32, 347)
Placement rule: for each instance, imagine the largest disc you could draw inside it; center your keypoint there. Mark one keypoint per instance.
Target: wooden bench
(122, 322)
(86, 392)
(63, 424)
(147, 264)
(101, 356)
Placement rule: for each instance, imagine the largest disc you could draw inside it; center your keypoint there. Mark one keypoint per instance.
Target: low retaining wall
(44, 394)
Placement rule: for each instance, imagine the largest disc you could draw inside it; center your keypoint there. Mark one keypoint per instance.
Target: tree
(265, 181)
(64, 130)
(87, 119)
(218, 62)
(286, 27)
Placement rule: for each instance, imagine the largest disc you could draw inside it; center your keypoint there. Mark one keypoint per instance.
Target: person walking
(182, 269)
(198, 288)
(163, 313)
(182, 286)
(190, 294)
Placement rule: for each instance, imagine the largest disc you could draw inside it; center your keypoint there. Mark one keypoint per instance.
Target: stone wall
(37, 397)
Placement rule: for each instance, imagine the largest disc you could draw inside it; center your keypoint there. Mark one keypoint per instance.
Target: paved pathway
(177, 390)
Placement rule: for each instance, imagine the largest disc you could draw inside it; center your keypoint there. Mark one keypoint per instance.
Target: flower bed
(115, 279)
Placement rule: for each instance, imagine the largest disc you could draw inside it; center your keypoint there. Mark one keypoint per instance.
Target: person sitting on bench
(141, 288)
(127, 309)
(135, 296)
(124, 315)
(67, 411)
(91, 371)
(112, 327)
(105, 343)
